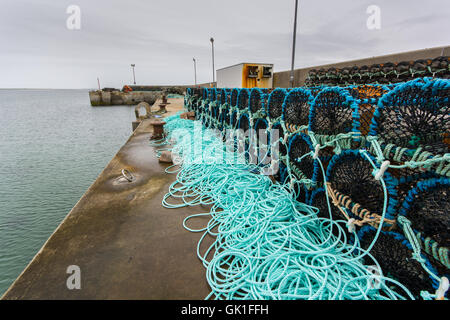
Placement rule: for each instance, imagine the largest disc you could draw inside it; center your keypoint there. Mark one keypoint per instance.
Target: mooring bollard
(158, 129)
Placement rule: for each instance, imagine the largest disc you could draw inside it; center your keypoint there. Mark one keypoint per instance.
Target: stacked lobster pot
(374, 157)
(385, 73)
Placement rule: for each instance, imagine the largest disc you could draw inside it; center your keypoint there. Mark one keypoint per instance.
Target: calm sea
(53, 145)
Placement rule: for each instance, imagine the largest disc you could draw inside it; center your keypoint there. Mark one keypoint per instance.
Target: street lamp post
(195, 71)
(293, 45)
(214, 73)
(134, 76)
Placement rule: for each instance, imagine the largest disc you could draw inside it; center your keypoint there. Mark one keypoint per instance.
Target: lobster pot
(218, 96)
(243, 97)
(244, 126)
(307, 167)
(332, 77)
(234, 120)
(222, 119)
(282, 173)
(439, 67)
(333, 112)
(257, 101)
(350, 179)
(224, 96)
(318, 199)
(385, 73)
(279, 148)
(296, 107)
(428, 209)
(205, 93)
(234, 98)
(369, 96)
(275, 104)
(212, 94)
(413, 119)
(262, 140)
(393, 253)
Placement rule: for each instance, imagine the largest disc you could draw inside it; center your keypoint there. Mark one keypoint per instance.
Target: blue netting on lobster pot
(394, 254)
(355, 192)
(257, 101)
(243, 97)
(296, 107)
(218, 95)
(427, 207)
(213, 94)
(275, 104)
(369, 95)
(411, 121)
(205, 93)
(234, 97)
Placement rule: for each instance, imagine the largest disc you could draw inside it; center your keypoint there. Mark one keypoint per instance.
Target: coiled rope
(267, 245)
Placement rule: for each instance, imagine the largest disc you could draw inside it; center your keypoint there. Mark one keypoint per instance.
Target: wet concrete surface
(126, 244)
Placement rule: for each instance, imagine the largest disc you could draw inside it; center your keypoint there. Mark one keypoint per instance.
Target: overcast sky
(162, 36)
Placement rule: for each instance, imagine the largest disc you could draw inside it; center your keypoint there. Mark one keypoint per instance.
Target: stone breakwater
(112, 98)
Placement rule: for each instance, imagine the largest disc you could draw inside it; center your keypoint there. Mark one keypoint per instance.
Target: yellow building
(246, 75)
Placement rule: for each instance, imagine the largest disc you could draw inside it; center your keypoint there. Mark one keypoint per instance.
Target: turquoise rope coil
(269, 245)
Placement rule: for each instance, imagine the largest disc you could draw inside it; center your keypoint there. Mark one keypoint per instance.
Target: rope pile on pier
(363, 180)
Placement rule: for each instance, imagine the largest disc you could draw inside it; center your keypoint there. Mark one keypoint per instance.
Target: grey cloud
(161, 37)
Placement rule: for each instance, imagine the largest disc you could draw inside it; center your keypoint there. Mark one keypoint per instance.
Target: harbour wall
(281, 79)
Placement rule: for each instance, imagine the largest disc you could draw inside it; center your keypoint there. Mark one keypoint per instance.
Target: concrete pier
(126, 244)
(115, 98)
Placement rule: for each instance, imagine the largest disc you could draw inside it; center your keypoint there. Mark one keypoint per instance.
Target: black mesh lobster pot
(349, 177)
(234, 97)
(296, 107)
(218, 95)
(205, 93)
(331, 114)
(414, 115)
(306, 168)
(256, 100)
(318, 199)
(243, 97)
(394, 255)
(224, 96)
(439, 67)
(427, 208)
(275, 103)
